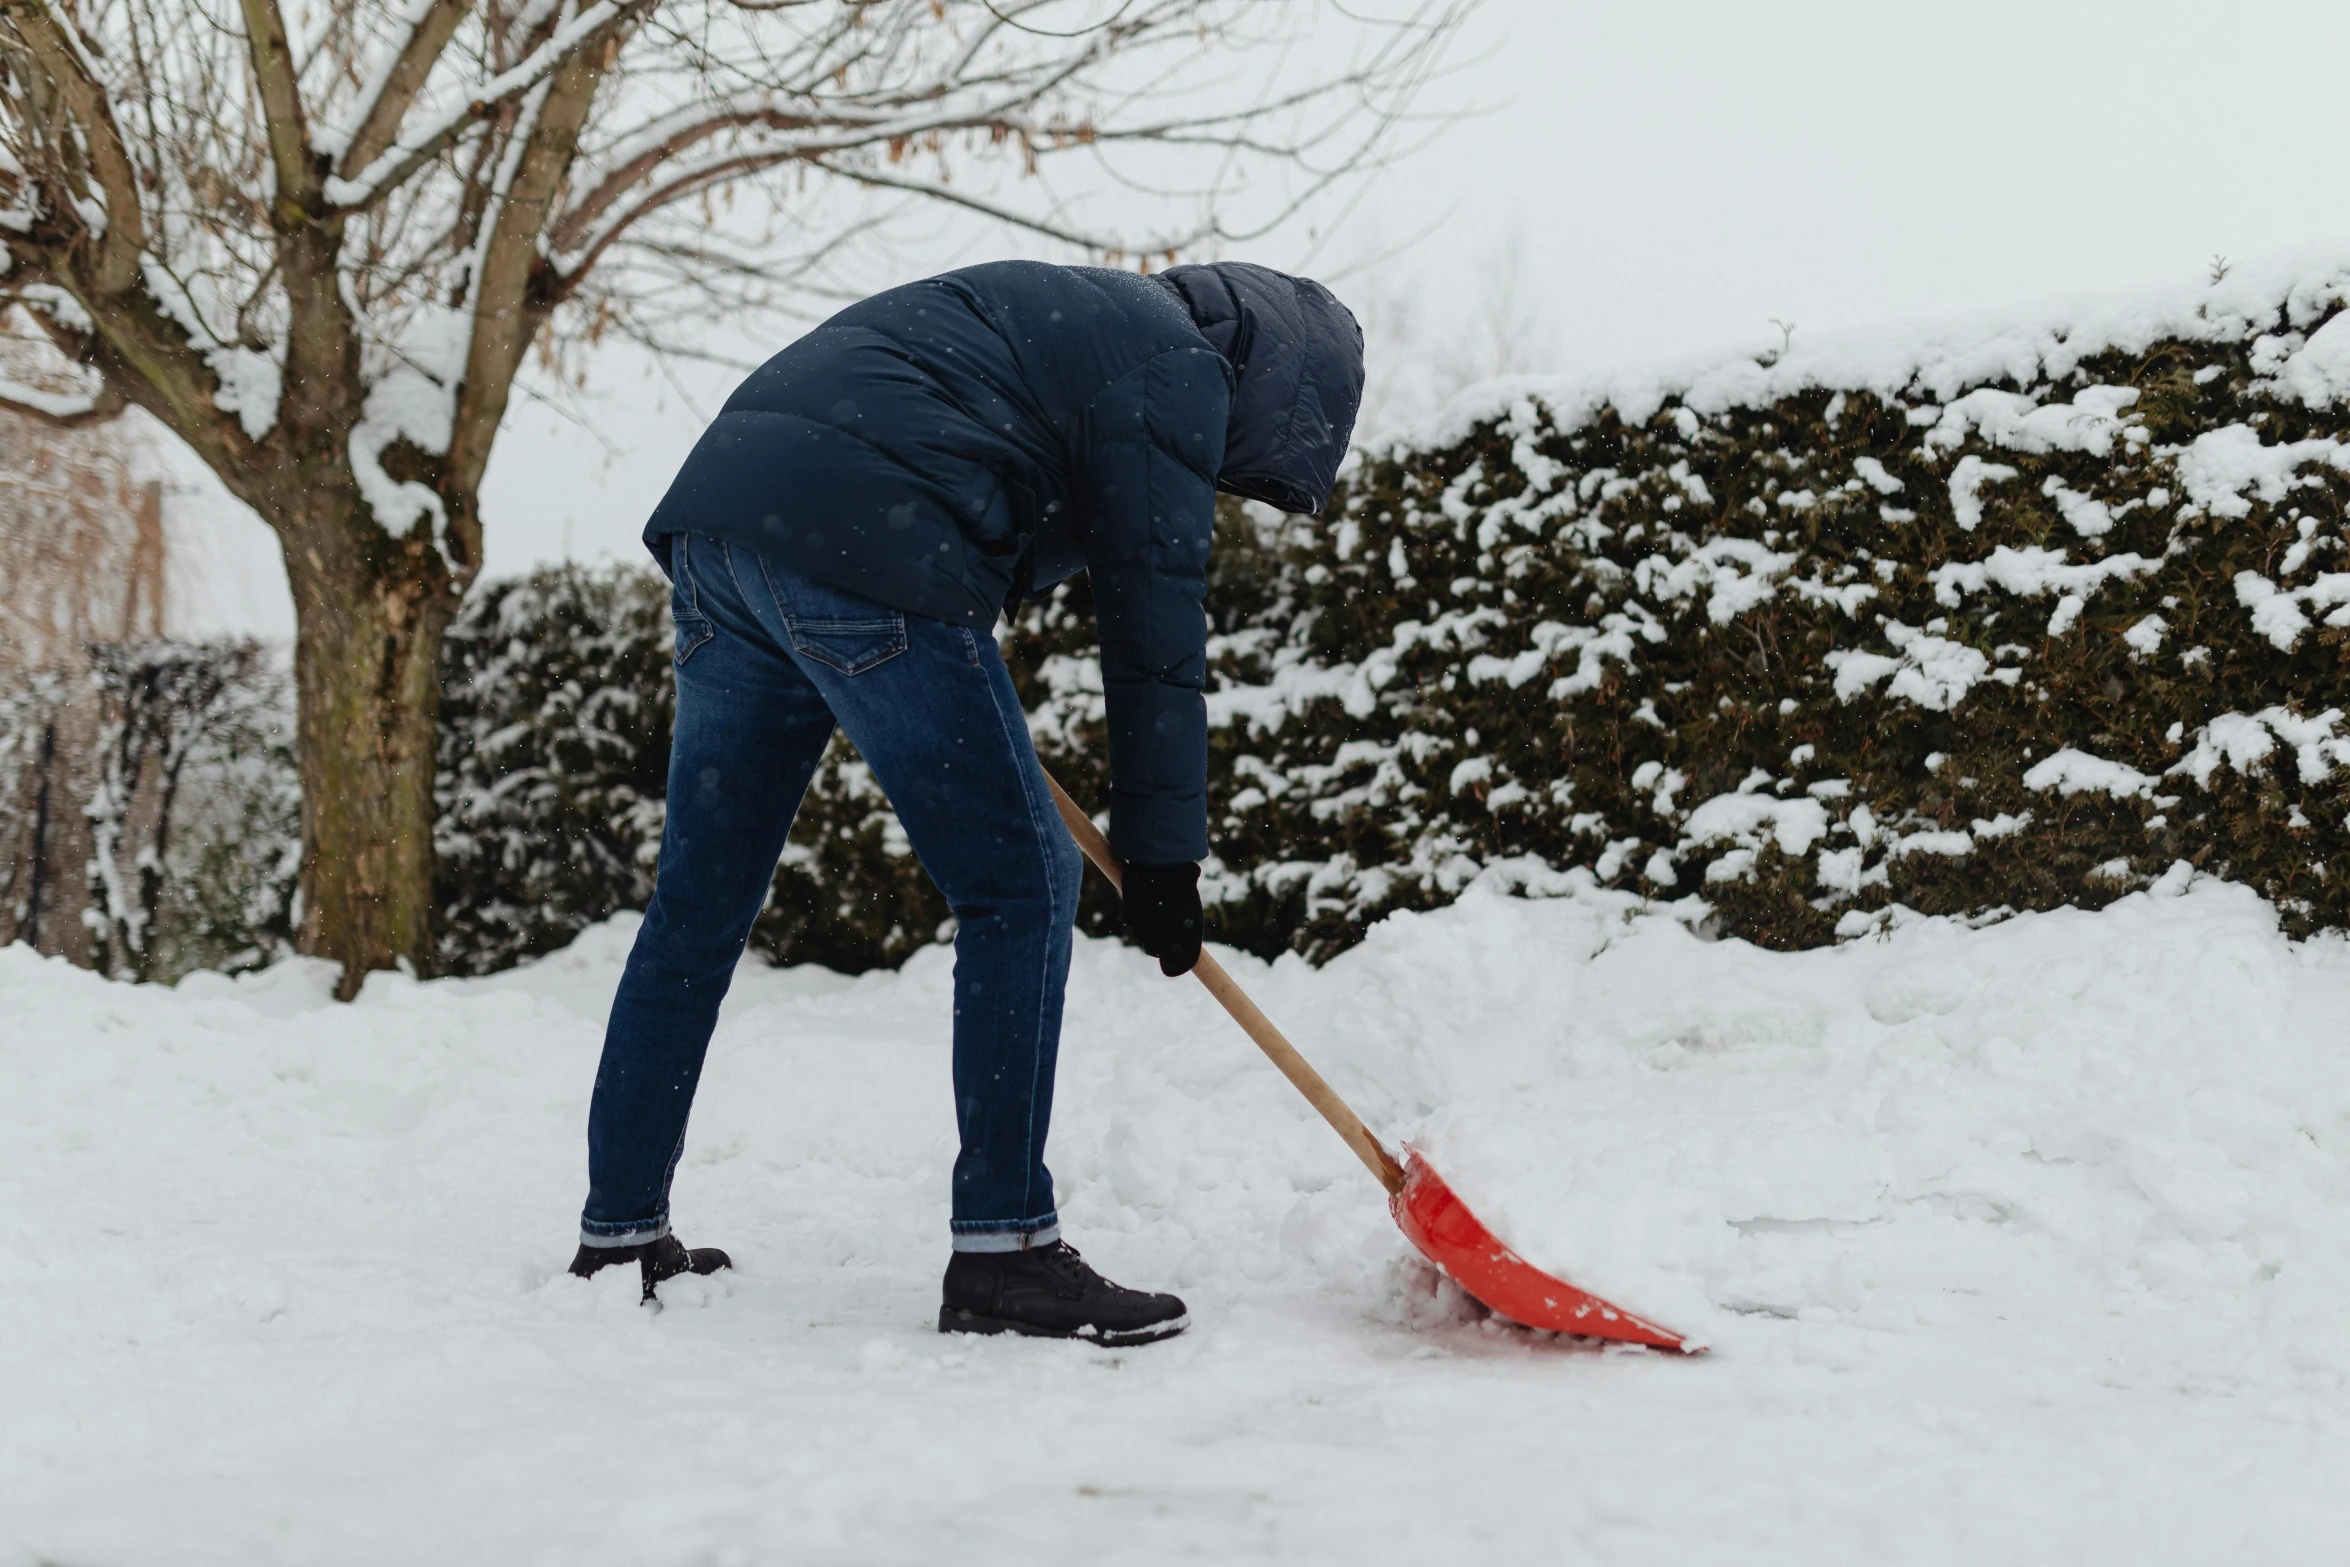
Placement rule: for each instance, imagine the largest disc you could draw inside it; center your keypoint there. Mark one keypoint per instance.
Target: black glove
(1162, 914)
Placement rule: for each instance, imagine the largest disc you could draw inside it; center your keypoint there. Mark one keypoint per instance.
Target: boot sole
(954, 1320)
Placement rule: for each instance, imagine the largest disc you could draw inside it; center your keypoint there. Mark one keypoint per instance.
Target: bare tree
(319, 246)
(164, 704)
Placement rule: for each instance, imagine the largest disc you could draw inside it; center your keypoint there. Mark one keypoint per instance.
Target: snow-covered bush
(1970, 623)
(556, 703)
(849, 893)
(149, 797)
(235, 851)
(195, 819)
(30, 798)
(556, 706)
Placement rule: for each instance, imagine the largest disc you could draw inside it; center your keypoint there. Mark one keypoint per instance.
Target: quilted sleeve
(1145, 489)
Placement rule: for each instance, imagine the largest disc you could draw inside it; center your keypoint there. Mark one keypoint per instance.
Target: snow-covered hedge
(556, 705)
(1973, 621)
(1977, 622)
(149, 807)
(557, 700)
(1969, 622)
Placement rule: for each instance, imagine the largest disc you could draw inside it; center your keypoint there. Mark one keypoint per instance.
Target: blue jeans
(768, 662)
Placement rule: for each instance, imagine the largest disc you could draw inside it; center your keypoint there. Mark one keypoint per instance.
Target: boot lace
(1061, 1260)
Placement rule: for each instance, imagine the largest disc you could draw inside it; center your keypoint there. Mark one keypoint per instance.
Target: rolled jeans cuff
(986, 1235)
(630, 1232)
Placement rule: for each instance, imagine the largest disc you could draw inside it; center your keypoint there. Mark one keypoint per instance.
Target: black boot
(665, 1258)
(1049, 1292)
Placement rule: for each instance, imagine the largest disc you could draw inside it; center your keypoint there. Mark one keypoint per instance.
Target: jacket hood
(1297, 364)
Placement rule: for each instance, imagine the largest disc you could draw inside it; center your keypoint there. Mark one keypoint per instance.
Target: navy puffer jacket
(952, 446)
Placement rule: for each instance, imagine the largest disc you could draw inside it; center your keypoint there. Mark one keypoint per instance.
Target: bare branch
(690, 183)
(1012, 21)
(142, 357)
(281, 106)
(1002, 213)
(838, 130)
(60, 55)
(505, 317)
(400, 163)
(662, 145)
(403, 79)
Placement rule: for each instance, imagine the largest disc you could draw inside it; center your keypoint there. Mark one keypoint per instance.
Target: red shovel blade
(1472, 1256)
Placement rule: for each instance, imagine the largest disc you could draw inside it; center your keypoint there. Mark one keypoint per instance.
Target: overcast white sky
(1670, 178)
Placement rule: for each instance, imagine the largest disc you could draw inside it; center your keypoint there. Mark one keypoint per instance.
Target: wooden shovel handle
(1259, 1027)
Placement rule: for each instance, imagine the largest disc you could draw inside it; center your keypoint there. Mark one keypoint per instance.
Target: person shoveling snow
(839, 545)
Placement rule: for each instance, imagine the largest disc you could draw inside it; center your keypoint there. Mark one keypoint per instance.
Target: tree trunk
(370, 612)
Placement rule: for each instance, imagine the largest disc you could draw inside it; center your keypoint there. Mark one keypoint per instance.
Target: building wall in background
(82, 562)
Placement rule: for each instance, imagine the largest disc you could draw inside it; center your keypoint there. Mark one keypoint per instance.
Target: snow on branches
(352, 218)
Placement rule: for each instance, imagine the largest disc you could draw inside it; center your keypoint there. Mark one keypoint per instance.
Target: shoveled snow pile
(2023, 1243)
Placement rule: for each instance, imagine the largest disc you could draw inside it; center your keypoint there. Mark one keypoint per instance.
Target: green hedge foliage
(2002, 629)
(553, 766)
(2016, 621)
(556, 706)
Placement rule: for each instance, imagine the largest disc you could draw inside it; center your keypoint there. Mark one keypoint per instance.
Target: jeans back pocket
(837, 629)
(850, 646)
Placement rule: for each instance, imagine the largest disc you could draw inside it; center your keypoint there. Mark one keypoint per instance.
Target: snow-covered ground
(2021, 1244)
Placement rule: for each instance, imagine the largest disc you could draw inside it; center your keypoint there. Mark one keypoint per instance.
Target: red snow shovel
(1429, 1214)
